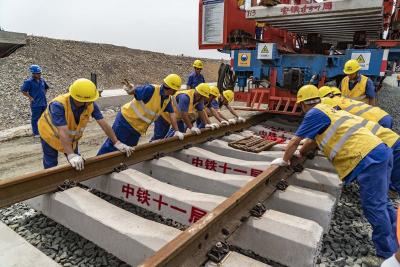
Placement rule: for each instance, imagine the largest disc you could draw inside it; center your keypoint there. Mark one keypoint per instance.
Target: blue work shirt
(57, 112)
(183, 101)
(37, 90)
(316, 122)
(369, 88)
(214, 104)
(195, 79)
(145, 92)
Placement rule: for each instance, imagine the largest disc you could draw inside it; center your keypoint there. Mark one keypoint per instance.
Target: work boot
(372, 261)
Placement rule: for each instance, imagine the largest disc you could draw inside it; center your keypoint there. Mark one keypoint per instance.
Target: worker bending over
(213, 107)
(185, 104)
(64, 121)
(332, 96)
(136, 116)
(196, 78)
(356, 154)
(357, 86)
(214, 94)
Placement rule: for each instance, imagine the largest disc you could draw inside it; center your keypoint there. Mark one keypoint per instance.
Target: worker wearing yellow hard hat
(357, 86)
(64, 121)
(136, 116)
(356, 154)
(196, 78)
(186, 104)
(214, 94)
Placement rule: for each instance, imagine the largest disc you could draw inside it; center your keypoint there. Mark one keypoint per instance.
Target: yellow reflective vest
(191, 110)
(346, 141)
(140, 115)
(357, 108)
(49, 132)
(358, 92)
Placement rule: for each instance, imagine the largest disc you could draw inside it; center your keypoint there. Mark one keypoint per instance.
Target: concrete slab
(234, 259)
(261, 130)
(305, 203)
(181, 174)
(125, 235)
(172, 202)
(283, 238)
(15, 251)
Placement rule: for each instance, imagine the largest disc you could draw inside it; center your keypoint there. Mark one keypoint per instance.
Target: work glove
(279, 162)
(124, 148)
(195, 130)
(240, 119)
(224, 123)
(179, 134)
(216, 125)
(391, 262)
(76, 161)
(232, 121)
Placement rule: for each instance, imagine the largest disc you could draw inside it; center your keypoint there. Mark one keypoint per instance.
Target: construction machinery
(278, 46)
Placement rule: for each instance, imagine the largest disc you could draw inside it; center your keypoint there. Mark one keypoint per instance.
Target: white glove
(195, 130)
(240, 119)
(179, 134)
(124, 148)
(216, 125)
(210, 126)
(224, 123)
(279, 162)
(232, 121)
(391, 262)
(76, 161)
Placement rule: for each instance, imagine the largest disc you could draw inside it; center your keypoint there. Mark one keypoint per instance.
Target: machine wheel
(226, 78)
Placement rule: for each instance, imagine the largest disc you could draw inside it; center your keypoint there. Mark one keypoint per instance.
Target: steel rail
(190, 248)
(13, 190)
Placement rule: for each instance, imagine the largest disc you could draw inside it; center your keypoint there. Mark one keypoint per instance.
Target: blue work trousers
(395, 177)
(50, 155)
(36, 113)
(162, 129)
(124, 132)
(386, 122)
(377, 208)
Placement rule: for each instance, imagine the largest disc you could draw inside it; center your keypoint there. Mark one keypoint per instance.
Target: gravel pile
(64, 61)
(389, 99)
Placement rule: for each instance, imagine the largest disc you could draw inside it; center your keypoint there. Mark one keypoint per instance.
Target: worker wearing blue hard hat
(196, 78)
(356, 154)
(35, 89)
(357, 86)
(136, 116)
(62, 124)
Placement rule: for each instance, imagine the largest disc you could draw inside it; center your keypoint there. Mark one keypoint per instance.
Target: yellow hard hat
(173, 81)
(203, 89)
(336, 91)
(198, 64)
(214, 91)
(307, 92)
(324, 91)
(84, 90)
(351, 66)
(229, 95)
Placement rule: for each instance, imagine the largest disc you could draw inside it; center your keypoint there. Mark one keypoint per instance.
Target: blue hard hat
(35, 69)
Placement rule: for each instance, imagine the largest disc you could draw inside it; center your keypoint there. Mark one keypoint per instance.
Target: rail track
(226, 201)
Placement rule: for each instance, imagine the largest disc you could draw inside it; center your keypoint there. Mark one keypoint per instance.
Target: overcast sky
(168, 26)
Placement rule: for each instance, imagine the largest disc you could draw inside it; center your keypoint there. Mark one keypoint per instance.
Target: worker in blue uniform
(357, 86)
(64, 121)
(35, 89)
(356, 154)
(136, 116)
(196, 78)
(186, 104)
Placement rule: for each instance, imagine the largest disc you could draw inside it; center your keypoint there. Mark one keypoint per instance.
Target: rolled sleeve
(370, 89)
(200, 106)
(315, 122)
(57, 114)
(96, 114)
(214, 104)
(183, 102)
(144, 93)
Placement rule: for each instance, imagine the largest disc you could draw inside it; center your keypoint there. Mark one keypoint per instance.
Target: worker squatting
(344, 124)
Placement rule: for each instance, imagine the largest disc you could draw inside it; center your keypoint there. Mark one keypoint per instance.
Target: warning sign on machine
(363, 58)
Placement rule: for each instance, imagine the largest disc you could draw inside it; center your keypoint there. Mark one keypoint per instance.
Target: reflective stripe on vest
(360, 112)
(358, 97)
(376, 128)
(332, 131)
(353, 106)
(137, 112)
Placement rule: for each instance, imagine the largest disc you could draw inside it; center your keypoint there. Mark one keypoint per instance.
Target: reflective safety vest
(358, 92)
(49, 132)
(357, 108)
(140, 115)
(346, 141)
(191, 111)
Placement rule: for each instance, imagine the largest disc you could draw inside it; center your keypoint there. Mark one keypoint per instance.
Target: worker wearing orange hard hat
(196, 78)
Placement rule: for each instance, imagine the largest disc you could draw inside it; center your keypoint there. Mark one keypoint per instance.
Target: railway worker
(35, 89)
(213, 107)
(136, 116)
(64, 121)
(186, 104)
(355, 107)
(196, 78)
(356, 154)
(357, 86)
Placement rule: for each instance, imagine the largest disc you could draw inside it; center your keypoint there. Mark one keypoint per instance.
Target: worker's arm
(204, 117)
(217, 114)
(186, 120)
(232, 110)
(65, 140)
(174, 123)
(372, 101)
(370, 92)
(28, 96)
(308, 146)
(291, 148)
(107, 130)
